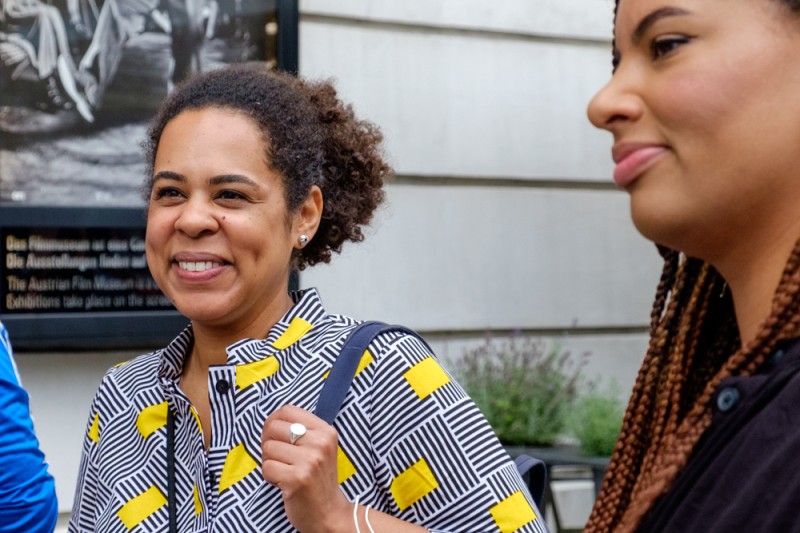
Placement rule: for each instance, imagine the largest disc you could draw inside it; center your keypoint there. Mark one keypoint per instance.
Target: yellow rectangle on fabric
(413, 484)
(151, 419)
(297, 328)
(238, 465)
(426, 376)
(145, 504)
(198, 506)
(251, 373)
(196, 418)
(364, 362)
(366, 359)
(513, 513)
(94, 431)
(344, 466)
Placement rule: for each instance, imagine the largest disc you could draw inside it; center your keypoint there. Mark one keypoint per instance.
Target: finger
(292, 466)
(278, 426)
(275, 471)
(285, 478)
(275, 429)
(314, 445)
(292, 413)
(290, 433)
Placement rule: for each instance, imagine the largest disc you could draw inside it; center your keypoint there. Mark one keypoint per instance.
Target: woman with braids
(704, 108)
(251, 174)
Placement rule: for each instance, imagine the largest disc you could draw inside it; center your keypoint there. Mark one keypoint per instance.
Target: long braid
(623, 468)
(671, 357)
(694, 346)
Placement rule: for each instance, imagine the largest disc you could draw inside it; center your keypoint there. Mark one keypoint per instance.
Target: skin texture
(214, 202)
(691, 79)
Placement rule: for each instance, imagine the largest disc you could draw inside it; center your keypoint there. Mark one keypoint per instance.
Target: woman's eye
(231, 195)
(663, 46)
(166, 192)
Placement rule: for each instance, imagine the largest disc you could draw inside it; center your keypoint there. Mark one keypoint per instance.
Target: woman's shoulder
(144, 370)
(140, 372)
(383, 340)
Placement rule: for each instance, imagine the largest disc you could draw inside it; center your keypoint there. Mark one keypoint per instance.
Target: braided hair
(694, 345)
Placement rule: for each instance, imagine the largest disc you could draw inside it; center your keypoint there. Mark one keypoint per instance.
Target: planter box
(557, 456)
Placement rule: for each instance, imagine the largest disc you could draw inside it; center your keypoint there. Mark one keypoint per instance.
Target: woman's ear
(308, 215)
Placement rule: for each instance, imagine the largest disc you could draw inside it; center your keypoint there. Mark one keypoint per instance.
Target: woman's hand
(306, 471)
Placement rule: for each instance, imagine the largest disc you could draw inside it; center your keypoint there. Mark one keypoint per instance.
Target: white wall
(469, 103)
(460, 257)
(502, 216)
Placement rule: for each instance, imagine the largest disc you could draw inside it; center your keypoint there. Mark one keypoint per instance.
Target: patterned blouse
(411, 443)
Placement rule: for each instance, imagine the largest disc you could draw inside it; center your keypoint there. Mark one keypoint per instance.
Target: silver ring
(296, 431)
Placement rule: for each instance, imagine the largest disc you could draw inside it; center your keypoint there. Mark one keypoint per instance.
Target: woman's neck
(212, 340)
(753, 275)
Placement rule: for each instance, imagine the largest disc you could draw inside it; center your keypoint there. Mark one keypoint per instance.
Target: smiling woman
(222, 271)
(252, 174)
(703, 106)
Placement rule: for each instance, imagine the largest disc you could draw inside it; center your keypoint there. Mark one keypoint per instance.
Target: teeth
(196, 266)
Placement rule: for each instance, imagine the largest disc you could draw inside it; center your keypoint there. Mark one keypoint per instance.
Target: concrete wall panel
(461, 257)
(579, 19)
(469, 105)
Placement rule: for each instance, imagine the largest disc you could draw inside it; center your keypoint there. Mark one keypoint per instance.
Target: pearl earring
(303, 239)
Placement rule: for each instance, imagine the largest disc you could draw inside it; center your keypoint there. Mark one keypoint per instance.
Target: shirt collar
(306, 313)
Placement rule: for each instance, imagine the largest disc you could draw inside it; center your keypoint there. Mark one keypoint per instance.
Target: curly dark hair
(311, 138)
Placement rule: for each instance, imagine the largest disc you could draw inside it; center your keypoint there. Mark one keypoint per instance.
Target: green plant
(524, 389)
(597, 419)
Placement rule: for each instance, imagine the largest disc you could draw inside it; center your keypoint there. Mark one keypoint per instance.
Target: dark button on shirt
(728, 399)
(776, 357)
(222, 386)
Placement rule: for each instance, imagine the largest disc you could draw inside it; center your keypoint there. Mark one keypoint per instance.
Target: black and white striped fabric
(412, 444)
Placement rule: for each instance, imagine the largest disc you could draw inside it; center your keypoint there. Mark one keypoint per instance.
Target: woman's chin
(657, 222)
(206, 315)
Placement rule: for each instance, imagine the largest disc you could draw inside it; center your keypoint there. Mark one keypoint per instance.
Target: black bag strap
(535, 470)
(172, 506)
(344, 369)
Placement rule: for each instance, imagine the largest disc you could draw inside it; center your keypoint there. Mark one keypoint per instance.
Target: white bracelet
(366, 519)
(355, 514)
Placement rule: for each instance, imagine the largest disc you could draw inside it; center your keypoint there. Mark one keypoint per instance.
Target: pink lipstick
(632, 160)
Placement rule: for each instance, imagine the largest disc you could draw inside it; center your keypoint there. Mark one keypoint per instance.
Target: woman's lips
(632, 161)
(197, 266)
(198, 271)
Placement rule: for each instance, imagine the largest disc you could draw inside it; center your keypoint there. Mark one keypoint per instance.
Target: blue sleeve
(27, 491)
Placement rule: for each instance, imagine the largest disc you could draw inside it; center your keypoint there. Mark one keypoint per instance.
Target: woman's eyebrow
(232, 178)
(654, 17)
(215, 181)
(168, 175)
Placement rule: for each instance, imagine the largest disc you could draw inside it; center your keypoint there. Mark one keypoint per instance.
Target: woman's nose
(197, 217)
(615, 103)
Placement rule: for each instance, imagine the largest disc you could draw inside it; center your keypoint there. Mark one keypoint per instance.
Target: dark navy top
(744, 474)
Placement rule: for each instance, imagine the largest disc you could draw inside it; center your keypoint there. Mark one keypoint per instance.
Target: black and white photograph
(80, 80)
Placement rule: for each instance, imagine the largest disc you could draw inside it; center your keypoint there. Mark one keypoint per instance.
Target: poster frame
(112, 329)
